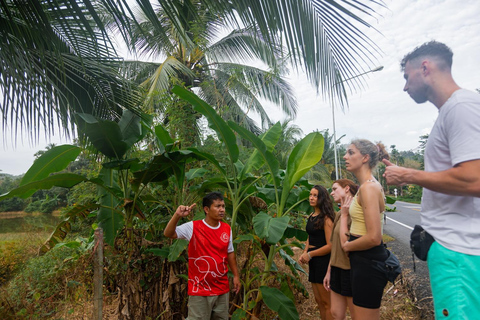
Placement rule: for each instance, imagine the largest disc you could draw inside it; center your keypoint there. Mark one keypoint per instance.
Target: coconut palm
(56, 56)
(56, 59)
(211, 65)
(324, 37)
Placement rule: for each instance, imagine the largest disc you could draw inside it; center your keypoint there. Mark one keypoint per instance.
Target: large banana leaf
(268, 158)
(54, 160)
(304, 156)
(105, 135)
(109, 217)
(64, 180)
(269, 228)
(279, 302)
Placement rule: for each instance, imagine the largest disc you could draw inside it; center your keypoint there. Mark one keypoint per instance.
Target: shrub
(60, 274)
(12, 204)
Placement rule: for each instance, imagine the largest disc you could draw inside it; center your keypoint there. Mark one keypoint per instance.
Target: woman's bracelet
(308, 253)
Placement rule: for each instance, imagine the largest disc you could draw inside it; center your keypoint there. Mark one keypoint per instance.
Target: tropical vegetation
(143, 147)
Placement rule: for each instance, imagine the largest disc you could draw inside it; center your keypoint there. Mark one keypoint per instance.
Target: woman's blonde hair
(376, 152)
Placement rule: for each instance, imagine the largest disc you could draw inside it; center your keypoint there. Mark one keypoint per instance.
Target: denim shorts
(455, 281)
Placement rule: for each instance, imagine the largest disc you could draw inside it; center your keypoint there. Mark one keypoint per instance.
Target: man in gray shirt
(451, 181)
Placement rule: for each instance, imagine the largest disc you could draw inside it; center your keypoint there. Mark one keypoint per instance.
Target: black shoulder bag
(390, 267)
(420, 242)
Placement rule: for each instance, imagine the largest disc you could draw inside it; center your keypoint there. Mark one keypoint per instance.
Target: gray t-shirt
(454, 221)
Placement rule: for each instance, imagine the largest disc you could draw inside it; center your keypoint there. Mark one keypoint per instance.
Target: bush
(59, 275)
(12, 204)
(12, 257)
(33, 206)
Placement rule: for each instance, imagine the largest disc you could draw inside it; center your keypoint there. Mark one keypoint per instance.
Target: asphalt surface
(399, 225)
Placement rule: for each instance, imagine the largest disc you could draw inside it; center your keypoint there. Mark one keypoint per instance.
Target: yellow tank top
(358, 218)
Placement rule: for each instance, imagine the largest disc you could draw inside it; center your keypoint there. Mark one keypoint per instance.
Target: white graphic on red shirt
(224, 237)
(207, 266)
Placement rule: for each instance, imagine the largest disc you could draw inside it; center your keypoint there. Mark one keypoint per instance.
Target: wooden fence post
(98, 275)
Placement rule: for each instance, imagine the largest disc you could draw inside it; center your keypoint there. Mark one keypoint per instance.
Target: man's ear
(206, 209)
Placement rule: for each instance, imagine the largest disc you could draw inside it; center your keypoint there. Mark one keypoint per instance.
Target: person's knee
(338, 313)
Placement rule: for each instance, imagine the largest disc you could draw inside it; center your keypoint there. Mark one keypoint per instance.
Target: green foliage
(12, 256)
(279, 302)
(12, 204)
(58, 275)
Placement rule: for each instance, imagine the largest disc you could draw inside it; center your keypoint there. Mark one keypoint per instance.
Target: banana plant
(282, 194)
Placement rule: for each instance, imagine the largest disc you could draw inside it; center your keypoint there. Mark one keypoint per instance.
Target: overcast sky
(381, 111)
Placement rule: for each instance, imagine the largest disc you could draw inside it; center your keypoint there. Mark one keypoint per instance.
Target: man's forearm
(452, 181)
(232, 263)
(169, 231)
(463, 179)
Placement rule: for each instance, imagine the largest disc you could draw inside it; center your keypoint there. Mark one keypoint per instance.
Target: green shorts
(455, 280)
(206, 308)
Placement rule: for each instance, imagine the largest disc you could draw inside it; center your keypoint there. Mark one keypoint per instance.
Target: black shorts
(340, 281)
(317, 268)
(367, 282)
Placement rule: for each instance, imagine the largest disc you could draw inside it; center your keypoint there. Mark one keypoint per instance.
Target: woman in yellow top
(337, 280)
(364, 242)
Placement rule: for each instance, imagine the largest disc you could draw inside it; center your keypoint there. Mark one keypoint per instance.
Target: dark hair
(432, 49)
(376, 152)
(325, 204)
(353, 188)
(209, 198)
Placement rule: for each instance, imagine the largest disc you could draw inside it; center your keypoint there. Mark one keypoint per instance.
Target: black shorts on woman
(367, 282)
(341, 281)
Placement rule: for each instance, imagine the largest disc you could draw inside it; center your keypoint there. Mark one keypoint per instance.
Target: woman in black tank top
(318, 246)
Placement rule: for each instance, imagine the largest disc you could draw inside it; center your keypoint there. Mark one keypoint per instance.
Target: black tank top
(316, 237)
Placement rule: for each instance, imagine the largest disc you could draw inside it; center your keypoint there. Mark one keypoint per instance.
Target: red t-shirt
(207, 260)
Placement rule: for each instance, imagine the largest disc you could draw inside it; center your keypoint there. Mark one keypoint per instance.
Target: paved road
(399, 225)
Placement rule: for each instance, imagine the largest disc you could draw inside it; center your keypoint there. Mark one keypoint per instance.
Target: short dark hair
(209, 198)
(430, 49)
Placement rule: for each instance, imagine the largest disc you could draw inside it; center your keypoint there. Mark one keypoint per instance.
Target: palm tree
(324, 37)
(213, 68)
(290, 136)
(57, 57)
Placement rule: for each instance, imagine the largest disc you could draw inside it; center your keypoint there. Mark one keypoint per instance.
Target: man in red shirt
(209, 251)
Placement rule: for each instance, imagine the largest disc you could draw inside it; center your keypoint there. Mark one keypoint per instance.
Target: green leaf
(224, 133)
(304, 156)
(130, 127)
(265, 156)
(390, 200)
(301, 235)
(244, 237)
(163, 138)
(307, 153)
(104, 135)
(108, 217)
(290, 261)
(195, 173)
(64, 180)
(159, 252)
(54, 160)
(176, 249)
(268, 228)
(278, 302)
(239, 314)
